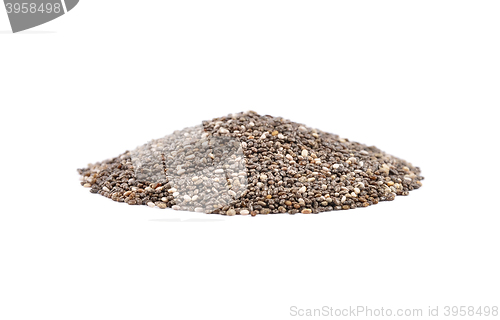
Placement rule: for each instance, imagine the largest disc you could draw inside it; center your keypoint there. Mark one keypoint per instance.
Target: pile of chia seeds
(248, 164)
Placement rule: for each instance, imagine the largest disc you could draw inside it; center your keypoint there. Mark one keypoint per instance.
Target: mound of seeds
(249, 164)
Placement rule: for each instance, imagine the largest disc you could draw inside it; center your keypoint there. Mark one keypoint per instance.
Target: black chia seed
(248, 164)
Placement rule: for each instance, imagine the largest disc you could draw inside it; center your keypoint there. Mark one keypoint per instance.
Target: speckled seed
(176, 207)
(244, 212)
(161, 205)
(151, 204)
(384, 168)
(231, 212)
(306, 211)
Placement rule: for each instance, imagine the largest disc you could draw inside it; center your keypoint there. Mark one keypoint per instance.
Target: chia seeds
(248, 164)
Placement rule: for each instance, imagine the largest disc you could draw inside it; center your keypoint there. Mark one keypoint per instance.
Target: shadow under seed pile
(249, 164)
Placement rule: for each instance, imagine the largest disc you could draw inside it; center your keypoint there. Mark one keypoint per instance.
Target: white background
(418, 79)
